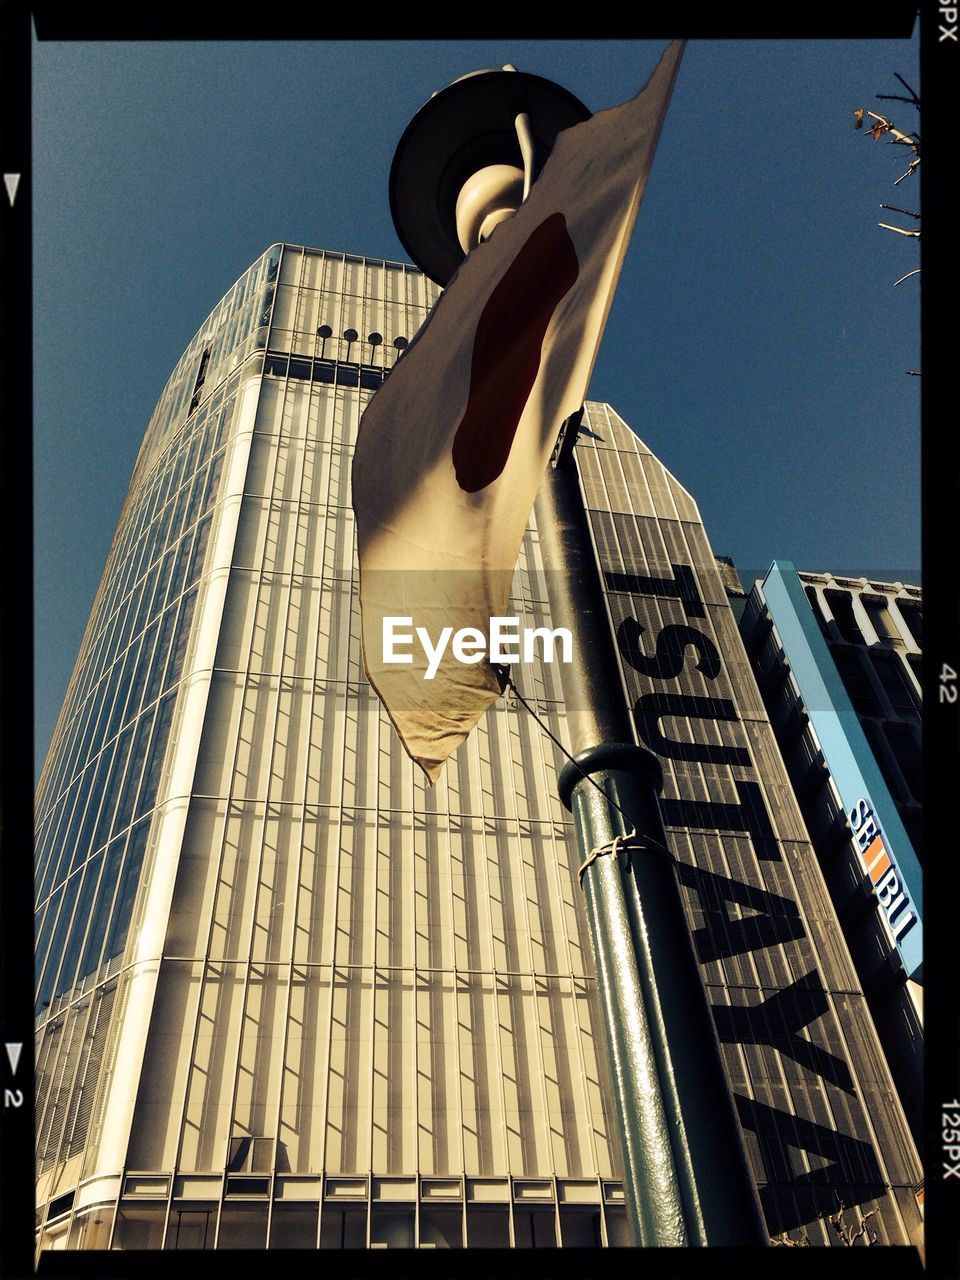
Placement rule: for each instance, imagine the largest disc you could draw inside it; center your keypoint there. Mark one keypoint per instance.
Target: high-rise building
(838, 665)
(291, 996)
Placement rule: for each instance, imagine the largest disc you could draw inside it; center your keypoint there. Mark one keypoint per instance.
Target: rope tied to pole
(623, 842)
(506, 682)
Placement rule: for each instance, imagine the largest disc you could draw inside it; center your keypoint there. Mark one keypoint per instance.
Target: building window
(811, 594)
(881, 751)
(534, 1228)
(139, 1226)
(488, 1227)
(202, 371)
(391, 1227)
(293, 1226)
(343, 1228)
(246, 1186)
(880, 618)
(618, 1232)
(906, 751)
(243, 1227)
(580, 1227)
(441, 1227)
(91, 1229)
(62, 1204)
(192, 1228)
(897, 685)
(856, 681)
(841, 606)
(370, 379)
(201, 378)
(913, 617)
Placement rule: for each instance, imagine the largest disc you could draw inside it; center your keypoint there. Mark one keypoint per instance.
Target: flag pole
(686, 1176)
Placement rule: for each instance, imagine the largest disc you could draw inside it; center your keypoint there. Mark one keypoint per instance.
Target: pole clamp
(630, 840)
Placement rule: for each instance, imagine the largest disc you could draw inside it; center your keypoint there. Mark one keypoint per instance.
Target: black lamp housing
(463, 128)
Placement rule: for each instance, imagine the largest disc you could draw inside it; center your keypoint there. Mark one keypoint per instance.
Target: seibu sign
(885, 877)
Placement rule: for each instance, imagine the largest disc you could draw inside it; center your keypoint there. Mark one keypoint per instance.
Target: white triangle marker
(13, 1053)
(11, 181)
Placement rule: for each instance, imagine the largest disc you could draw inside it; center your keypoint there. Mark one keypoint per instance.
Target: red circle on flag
(507, 350)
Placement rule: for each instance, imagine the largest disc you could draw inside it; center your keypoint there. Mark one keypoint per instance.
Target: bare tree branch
(784, 1238)
(910, 89)
(849, 1236)
(913, 165)
(884, 125)
(909, 213)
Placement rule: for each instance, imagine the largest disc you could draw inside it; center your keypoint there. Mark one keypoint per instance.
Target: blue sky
(757, 342)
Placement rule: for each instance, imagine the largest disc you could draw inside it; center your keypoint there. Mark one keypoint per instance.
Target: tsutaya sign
(885, 877)
(781, 985)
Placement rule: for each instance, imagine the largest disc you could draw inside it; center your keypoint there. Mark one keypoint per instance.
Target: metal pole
(685, 1168)
(654, 1201)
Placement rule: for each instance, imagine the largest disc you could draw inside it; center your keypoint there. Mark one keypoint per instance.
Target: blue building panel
(886, 854)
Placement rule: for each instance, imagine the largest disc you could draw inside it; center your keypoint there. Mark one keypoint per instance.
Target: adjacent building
(838, 664)
(289, 996)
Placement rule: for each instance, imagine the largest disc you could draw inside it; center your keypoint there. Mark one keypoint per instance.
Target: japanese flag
(452, 448)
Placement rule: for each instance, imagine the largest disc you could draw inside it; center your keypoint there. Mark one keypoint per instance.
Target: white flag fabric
(451, 450)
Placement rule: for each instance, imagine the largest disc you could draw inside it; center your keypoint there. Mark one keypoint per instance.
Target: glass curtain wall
(99, 790)
(373, 1021)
